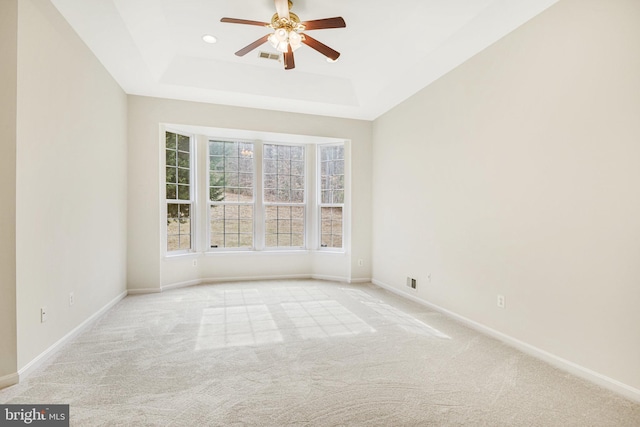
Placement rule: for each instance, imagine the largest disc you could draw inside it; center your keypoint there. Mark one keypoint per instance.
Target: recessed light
(208, 38)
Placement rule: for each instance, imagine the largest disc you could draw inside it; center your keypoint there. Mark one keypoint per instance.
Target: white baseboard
(144, 291)
(362, 280)
(197, 282)
(42, 357)
(330, 278)
(566, 365)
(181, 285)
(254, 278)
(9, 380)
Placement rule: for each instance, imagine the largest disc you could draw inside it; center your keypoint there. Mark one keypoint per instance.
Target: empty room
(320, 213)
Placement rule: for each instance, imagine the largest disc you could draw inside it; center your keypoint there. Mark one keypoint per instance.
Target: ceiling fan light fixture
(208, 38)
(288, 33)
(295, 40)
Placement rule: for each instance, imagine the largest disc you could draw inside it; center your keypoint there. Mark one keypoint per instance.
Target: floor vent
(267, 55)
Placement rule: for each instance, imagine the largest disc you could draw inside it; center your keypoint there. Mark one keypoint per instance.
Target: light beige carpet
(304, 353)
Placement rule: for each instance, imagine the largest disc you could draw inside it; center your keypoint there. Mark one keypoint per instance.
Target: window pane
(178, 177)
(283, 167)
(183, 159)
(185, 242)
(185, 226)
(170, 139)
(284, 240)
(284, 226)
(331, 227)
(183, 176)
(271, 226)
(185, 211)
(172, 191)
(297, 183)
(297, 168)
(246, 212)
(216, 148)
(171, 157)
(231, 240)
(231, 164)
(173, 226)
(216, 194)
(216, 163)
(270, 166)
(183, 143)
(271, 240)
(172, 175)
(231, 226)
(331, 187)
(284, 152)
(297, 196)
(172, 210)
(173, 243)
(270, 151)
(270, 195)
(297, 240)
(183, 192)
(178, 226)
(217, 240)
(245, 180)
(246, 240)
(297, 153)
(246, 226)
(297, 212)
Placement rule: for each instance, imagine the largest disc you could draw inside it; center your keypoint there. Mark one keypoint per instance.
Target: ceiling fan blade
(289, 63)
(282, 7)
(320, 47)
(320, 24)
(244, 21)
(255, 44)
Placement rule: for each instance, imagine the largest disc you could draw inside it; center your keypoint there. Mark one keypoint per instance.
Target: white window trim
(320, 205)
(208, 203)
(200, 229)
(192, 194)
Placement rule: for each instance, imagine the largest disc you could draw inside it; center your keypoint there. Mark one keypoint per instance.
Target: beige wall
(518, 174)
(71, 181)
(8, 94)
(147, 267)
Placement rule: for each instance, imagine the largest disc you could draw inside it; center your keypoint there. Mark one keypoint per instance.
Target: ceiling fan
(289, 33)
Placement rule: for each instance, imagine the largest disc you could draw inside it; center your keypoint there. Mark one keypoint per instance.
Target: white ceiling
(390, 49)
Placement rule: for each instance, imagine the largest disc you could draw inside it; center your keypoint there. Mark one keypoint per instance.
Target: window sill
(259, 253)
(180, 256)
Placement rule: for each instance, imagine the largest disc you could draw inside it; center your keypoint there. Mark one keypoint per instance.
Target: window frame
(200, 226)
(304, 204)
(192, 202)
(320, 204)
(208, 203)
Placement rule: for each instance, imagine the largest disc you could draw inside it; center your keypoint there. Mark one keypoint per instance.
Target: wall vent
(268, 55)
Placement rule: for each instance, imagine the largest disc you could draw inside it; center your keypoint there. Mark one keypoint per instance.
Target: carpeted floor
(304, 353)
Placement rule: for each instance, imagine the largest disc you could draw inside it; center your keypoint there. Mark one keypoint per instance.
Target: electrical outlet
(360, 262)
(501, 301)
(71, 299)
(412, 283)
(43, 314)
(195, 263)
